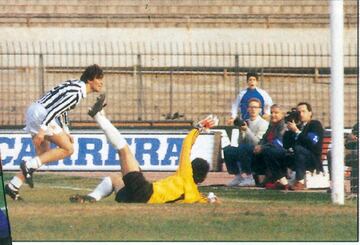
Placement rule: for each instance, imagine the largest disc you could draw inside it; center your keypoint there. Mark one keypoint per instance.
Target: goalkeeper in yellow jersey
(132, 187)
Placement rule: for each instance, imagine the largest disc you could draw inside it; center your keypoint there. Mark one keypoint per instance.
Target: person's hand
(266, 117)
(208, 122)
(230, 121)
(353, 137)
(217, 201)
(213, 199)
(292, 126)
(39, 137)
(257, 149)
(244, 127)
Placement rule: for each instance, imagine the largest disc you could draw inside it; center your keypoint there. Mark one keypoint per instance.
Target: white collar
(256, 119)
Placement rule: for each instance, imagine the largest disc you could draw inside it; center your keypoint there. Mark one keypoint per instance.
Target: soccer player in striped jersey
(131, 185)
(46, 121)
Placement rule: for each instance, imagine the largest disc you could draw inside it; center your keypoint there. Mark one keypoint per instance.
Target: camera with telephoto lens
(292, 115)
(239, 122)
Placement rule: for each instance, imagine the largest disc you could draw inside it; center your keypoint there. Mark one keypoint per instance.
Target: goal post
(337, 100)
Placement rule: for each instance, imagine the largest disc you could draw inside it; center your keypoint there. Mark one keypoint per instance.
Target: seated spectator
(238, 160)
(271, 152)
(351, 156)
(305, 140)
(252, 91)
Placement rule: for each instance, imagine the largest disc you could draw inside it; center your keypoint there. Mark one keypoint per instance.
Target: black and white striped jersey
(62, 98)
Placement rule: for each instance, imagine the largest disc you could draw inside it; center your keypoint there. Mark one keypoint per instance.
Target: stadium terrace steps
(201, 8)
(172, 13)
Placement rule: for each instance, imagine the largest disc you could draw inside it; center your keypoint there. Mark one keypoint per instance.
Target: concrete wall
(175, 35)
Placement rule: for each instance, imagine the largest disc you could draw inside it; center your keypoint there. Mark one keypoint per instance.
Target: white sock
(225, 141)
(112, 134)
(16, 182)
(103, 189)
(33, 163)
(283, 181)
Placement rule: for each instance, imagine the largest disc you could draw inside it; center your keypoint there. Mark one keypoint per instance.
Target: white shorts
(34, 117)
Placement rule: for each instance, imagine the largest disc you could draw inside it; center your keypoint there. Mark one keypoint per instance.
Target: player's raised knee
(68, 150)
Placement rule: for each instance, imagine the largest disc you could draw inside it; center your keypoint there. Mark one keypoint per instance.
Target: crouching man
(132, 187)
(306, 140)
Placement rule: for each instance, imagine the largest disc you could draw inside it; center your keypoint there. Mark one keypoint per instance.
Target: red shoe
(276, 186)
(270, 185)
(297, 186)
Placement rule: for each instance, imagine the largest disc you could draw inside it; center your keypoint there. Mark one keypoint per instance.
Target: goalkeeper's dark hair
(200, 168)
(92, 72)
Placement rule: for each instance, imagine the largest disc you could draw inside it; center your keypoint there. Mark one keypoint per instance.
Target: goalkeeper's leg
(107, 186)
(104, 189)
(127, 160)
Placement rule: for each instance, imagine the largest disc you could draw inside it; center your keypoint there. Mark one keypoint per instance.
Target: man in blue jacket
(242, 100)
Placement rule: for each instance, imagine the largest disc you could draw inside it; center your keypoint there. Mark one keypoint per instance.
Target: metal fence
(154, 81)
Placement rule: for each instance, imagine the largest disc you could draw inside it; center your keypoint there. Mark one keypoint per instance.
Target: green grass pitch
(244, 215)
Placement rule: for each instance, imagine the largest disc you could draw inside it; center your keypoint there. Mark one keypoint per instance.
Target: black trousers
(303, 160)
(276, 162)
(239, 159)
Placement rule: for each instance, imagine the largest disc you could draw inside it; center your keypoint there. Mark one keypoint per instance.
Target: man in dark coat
(306, 142)
(270, 165)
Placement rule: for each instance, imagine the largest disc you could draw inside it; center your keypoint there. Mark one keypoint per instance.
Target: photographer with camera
(238, 160)
(305, 141)
(252, 91)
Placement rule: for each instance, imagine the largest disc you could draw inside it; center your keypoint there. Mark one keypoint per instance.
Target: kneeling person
(133, 187)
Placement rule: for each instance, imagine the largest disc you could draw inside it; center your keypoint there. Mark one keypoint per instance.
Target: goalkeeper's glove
(207, 123)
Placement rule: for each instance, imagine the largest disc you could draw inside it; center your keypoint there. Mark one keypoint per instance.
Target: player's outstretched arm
(184, 161)
(202, 126)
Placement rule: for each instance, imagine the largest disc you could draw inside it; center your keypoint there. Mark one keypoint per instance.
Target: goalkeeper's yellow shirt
(179, 187)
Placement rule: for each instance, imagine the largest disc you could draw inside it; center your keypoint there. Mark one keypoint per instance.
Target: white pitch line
(66, 187)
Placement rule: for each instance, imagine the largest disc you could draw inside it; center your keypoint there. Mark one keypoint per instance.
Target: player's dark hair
(252, 74)
(200, 169)
(92, 72)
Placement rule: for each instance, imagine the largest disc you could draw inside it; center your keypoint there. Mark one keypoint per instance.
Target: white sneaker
(248, 181)
(236, 181)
